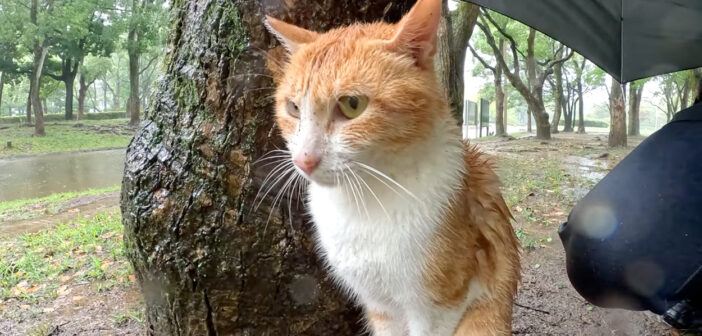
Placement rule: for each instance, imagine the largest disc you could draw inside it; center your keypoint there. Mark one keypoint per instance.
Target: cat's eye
(293, 110)
(352, 106)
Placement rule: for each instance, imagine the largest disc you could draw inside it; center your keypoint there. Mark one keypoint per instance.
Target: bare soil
(547, 304)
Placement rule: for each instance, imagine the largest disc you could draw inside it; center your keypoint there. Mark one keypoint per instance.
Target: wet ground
(43, 175)
(542, 181)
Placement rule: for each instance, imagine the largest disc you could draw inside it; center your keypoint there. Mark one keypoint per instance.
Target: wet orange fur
(476, 240)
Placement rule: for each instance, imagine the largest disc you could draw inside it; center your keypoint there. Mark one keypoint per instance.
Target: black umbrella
(629, 39)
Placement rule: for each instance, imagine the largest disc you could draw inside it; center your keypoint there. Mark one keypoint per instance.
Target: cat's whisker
(270, 153)
(249, 74)
(261, 160)
(290, 174)
(281, 192)
(360, 190)
(375, 196)
(353, 191)
(281, 167)
(388, 178)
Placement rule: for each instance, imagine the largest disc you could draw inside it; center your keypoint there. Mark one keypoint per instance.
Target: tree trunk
(117, 95)
(462, 25)
(207, 259)
(29, 104)
(685, 96)
(531, 76)
(40, 50)
(635, 93)
(558, 78)
(82, 90)
(581, 108)
(133, 104)
(69, 97)
(500, 124)
(2, 87)
(617, 112)
(443, 61)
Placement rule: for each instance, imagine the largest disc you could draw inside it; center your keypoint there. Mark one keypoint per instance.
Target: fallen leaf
(48, 310)
(518, 208)
(77, 298)
(108, 235)
(132, 278)
(98, 249)
(63, 290)
(25, 307)
(65, 278)
(106, 264)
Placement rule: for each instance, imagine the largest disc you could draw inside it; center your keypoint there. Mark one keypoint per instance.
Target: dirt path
(83, 206)
(564, 169)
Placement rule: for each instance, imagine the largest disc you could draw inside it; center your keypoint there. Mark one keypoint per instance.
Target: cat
(409, 217)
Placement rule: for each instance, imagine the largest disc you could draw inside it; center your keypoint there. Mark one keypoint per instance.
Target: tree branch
(503, 32)
(148, 65)
(482, 61)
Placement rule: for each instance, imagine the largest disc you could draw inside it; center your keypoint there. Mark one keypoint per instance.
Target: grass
(32, 208)
(38, 266)
(61, 137)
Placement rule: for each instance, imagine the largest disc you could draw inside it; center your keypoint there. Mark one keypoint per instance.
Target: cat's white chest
(379, 254)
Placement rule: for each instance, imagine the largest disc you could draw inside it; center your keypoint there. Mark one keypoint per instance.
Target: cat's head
(358, 93)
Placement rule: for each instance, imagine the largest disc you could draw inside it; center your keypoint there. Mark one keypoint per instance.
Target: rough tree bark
(635, 93)
(581, 108)
(617, 112)
(208, 260)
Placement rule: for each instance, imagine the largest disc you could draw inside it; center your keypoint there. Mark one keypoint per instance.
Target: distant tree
(496, 70)
(558, 89)
(144, 20)
(537, 70)
(454, 33)
(635, 94)
(85, 29)
(617, 110)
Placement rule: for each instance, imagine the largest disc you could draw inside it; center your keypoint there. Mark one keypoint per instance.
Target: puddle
(43, 175)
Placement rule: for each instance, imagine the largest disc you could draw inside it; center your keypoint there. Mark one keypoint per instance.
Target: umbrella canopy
(629, 39)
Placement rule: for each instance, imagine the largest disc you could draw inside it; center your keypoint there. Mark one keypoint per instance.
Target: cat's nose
(307, 163)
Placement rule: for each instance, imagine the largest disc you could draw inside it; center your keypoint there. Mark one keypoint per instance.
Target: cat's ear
(417, 31)
(290, 36)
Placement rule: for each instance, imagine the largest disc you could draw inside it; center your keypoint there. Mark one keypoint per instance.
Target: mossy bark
(208, 261)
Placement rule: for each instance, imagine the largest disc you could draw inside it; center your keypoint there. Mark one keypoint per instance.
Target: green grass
(60, 137)
(31, 208)
(34, 266)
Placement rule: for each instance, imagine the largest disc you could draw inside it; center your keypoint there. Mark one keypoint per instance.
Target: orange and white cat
(410, 218)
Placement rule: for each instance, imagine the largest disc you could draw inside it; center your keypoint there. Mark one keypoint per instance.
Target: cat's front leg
(385, 324)
(430, 320)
